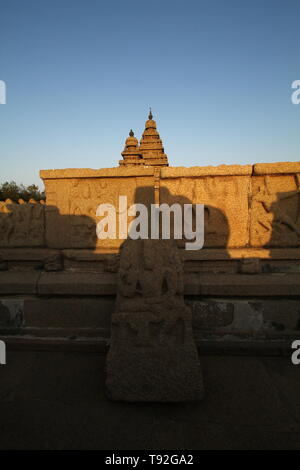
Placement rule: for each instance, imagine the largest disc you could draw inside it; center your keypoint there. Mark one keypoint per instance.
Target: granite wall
(50, 252)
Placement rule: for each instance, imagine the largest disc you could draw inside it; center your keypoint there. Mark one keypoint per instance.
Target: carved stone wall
(22, 224)
(275, 210)
(73, 198)
(245, 206)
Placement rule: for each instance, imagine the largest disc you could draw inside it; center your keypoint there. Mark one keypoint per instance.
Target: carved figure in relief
(275, 216)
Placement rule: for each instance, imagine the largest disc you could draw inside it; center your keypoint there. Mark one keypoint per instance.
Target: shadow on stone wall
(40, 225)
(275, 222)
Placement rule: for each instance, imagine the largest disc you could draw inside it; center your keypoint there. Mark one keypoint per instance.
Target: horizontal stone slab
(273, 168)
(19, 282)
(240, 253)
(94, 173)
(64, 332)
(243, 285)
(195, 171)
(255, 316)
(11, 312)
(104, 284)
(27, 254)
(228, 346)
(86, 283)
(66, 313)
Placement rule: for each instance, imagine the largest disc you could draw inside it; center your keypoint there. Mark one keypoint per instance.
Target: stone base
(154, 375)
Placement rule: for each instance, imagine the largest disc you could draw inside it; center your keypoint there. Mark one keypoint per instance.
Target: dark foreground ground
(56, 400)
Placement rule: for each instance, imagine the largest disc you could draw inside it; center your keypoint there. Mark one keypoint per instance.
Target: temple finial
(131, 133)
(150, 115)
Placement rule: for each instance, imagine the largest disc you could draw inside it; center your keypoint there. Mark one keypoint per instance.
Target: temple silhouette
(150, 151)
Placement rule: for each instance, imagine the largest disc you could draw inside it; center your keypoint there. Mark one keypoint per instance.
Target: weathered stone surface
(211, 314)
(18, 282)
(88, 260)
(72, 204)
(152, 356)
(264, 196)
(260, 318)
(250, 266)
(262, 285)
(11, 313)
(96, 173)
(63, 313)
(278, 167)
(77, 283)
(223, 196)
(21, 224)
(196, 171)
(28, 259)
(275, 217)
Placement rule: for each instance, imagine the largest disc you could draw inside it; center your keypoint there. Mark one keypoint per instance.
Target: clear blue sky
(81, 73)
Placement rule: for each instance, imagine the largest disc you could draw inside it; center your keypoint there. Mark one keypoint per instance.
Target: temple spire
(150, 152)
(131, 154)
(151, 146)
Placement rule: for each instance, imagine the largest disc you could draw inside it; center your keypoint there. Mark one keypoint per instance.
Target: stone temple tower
(131, 154)
(151, 145)
(150, 152)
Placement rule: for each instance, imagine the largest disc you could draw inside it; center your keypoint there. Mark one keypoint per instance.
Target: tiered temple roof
(131, 154)
(150, 152)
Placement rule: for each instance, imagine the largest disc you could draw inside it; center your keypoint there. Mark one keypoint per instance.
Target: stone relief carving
(79, 198)
(152, 355)
(223, 197)
(275, 211)
(21, 224)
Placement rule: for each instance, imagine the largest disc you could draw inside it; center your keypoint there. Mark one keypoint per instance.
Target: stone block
(21, 224)
(262, 285)
(11, 313)
(18, 282)
(68, 313)
(223, 197)
(211, 313)
(72, 204)
(275, 220)
(83, 283)
(152, 356)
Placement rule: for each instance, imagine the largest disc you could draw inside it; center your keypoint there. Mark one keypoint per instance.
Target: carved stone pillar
(152, 356)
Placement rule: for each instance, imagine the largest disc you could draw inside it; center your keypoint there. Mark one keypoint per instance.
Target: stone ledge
(241, 253)
(27, 254)
(210, 254)
(205, 347)
(104, 284)
(243, 285)
(68, 313)
(195, 171)
(93, 173)
(63, 283)
(19, 282)
(276, 168)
